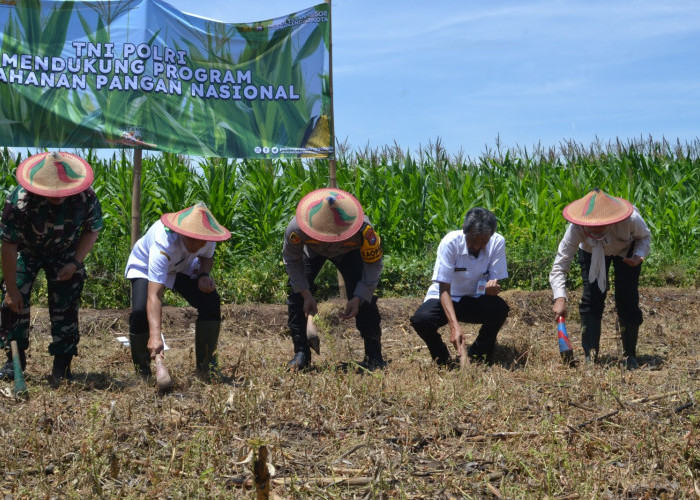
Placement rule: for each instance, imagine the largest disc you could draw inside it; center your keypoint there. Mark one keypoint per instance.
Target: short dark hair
(479, 221)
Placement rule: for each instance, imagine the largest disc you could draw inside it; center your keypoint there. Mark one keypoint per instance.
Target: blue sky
(526, 71)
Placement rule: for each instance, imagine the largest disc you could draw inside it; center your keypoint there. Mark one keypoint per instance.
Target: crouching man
(465, 288)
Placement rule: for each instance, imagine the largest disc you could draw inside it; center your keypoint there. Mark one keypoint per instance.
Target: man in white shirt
(177, 252)
(604, 229)
(465, 288)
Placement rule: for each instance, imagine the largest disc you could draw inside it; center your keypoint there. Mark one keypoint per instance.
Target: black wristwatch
(202, 274)
(78, 265)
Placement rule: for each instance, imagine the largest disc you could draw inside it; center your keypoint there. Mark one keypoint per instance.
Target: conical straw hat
(598, 208)
(196, 222)
(329, 215)
(54, 174)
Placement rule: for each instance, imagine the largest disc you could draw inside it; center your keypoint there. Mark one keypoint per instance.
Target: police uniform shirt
(296, 243)
(456, 266)
(160, 254)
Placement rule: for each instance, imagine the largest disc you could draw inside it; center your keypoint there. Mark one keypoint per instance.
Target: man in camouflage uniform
(330, 225)
(50, 222)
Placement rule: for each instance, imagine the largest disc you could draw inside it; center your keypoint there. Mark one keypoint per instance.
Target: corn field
(413, 199)
(176, 121)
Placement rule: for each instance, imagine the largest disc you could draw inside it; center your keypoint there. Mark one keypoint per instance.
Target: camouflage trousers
(64, 302)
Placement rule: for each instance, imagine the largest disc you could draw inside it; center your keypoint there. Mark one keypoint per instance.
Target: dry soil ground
(526, 427)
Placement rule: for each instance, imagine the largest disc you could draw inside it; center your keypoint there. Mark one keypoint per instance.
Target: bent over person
(177, 252)
(465, 288)
(604, 230)
(50, 222)
(330, 225)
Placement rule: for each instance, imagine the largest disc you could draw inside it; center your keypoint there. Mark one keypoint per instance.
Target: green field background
(413, 199)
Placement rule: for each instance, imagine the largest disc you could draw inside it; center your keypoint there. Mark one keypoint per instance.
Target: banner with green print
(139, 73)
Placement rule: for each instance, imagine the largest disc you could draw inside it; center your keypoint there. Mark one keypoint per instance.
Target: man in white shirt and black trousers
(177, 252)
(465, 288)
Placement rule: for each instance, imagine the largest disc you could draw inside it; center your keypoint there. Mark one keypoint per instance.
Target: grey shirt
(366, 241)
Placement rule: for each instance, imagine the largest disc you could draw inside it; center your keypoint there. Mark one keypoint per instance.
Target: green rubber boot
(140, 355)
(206, 339)
(629, 334)
(590, 337)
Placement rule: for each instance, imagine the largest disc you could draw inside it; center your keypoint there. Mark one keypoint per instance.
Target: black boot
(140, 355)
(302, 354)
(373, 355)
(206, 339)
(299, 362)
(482, 349)
(629, 334)
(61, 368)
(437, 348)
(7, 372)
(590, 337)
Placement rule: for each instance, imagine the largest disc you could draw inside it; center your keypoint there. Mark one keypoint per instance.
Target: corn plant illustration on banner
(139, 73)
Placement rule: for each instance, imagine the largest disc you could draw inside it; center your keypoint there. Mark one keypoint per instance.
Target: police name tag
(481, 287)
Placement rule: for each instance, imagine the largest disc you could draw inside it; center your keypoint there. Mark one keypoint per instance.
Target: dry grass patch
(524, 428)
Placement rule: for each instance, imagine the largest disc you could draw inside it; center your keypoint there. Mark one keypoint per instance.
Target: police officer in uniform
(51, 222)
(330, 225)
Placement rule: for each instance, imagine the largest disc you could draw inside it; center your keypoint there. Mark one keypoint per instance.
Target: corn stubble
(526, 427)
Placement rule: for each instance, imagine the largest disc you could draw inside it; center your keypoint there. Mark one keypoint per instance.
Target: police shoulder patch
(371, 250)
(294, 238)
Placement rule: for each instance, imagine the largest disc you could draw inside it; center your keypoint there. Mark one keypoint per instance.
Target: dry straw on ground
(524, 428)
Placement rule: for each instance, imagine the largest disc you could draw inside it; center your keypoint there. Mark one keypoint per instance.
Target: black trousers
(208, 305)
(490, 311)
(350, 267)
(626, 290)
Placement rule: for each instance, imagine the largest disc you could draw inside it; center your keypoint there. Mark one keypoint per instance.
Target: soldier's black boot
(629, 334)
(206, 340)
(302, 354)
(7, 372)
(61, 368)
(140, 355)
(590, 337)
